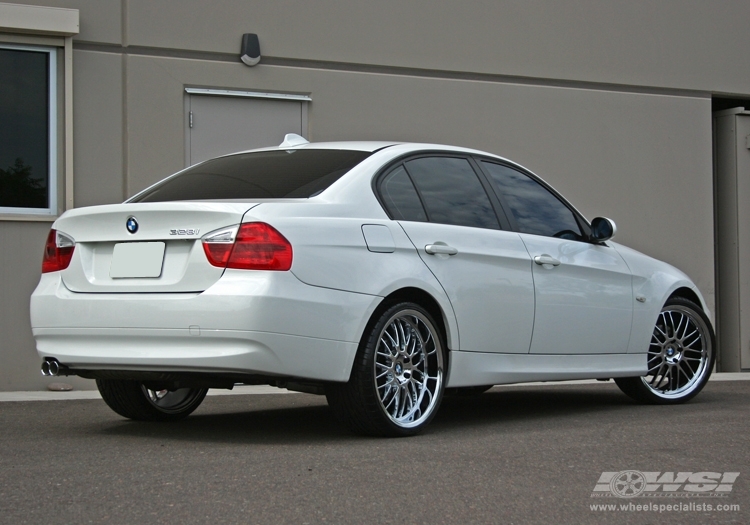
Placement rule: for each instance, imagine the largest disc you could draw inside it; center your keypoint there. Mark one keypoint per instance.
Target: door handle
(546, 259)
(440, 248)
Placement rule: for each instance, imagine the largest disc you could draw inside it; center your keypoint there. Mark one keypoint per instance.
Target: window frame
(583, 224)
(500, 214)
(52, 137)
(379, 194)
(45, 27)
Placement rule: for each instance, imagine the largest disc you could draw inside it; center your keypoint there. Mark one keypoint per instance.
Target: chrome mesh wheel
(396, 383)
(679, 359)
(408, 368)
(680, 353)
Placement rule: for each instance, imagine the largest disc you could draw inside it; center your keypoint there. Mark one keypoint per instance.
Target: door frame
(215, 92)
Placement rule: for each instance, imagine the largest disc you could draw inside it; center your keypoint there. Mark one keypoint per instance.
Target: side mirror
(602, 229)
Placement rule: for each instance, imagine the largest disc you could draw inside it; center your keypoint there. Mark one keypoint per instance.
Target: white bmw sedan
(379, 274)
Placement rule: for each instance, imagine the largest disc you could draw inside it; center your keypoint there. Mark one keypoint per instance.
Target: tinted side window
(535, 209)
(400, 197)
(451, 192)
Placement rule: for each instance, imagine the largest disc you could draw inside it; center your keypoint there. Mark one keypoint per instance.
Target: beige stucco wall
(684, 44)
(680, 44)
(610, 105)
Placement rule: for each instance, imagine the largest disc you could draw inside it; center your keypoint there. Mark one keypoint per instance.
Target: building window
(28, 130)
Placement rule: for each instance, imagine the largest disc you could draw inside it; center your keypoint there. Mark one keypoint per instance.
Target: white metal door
(487, 279)
(217, 125)
(583, 295)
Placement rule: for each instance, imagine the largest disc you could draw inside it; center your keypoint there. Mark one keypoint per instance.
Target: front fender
(654, 282)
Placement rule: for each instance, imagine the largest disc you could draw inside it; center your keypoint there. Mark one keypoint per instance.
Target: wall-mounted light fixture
(250, 51)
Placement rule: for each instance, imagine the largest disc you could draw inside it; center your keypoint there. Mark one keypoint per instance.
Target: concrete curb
(263, 389)
(94, 394)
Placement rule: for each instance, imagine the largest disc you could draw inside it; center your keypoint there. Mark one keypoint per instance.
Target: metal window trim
(248, 94)
(52, 148)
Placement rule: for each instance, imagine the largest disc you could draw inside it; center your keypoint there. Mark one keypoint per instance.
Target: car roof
(354, 145)
(394, 148)
(373, 146)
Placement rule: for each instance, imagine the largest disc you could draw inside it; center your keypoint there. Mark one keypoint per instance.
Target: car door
(583, 291)
(445, 210)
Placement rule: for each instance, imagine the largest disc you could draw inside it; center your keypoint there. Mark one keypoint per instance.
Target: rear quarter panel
(330, 251)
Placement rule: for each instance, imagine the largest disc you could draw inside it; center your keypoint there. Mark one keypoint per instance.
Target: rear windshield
(259, 175)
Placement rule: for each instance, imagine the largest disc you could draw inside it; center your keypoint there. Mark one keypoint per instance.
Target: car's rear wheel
(134, 400)
(680, 357)
(396, 383)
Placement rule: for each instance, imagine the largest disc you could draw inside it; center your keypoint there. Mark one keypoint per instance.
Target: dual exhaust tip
(51, 367)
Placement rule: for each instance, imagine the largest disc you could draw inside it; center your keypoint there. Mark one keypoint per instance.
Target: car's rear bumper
(248, 322)
(214, 351)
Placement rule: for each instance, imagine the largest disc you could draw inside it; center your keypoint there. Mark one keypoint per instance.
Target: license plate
(137, 259)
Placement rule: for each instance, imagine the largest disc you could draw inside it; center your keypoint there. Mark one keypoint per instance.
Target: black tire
(401, 352)
(680, 357)
(133, 400)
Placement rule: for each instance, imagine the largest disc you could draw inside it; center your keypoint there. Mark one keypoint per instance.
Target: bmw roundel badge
(131, 224)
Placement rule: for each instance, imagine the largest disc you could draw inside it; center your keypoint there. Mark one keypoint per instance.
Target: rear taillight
(57, 252)
(249, 246)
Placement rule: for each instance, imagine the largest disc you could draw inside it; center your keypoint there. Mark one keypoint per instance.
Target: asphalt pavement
(518, 454)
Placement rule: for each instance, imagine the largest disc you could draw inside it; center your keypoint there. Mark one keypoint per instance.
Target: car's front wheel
(134, 400)
(397, 381)
(680, 357)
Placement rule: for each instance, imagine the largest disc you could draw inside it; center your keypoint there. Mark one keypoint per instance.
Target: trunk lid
(163, 255)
